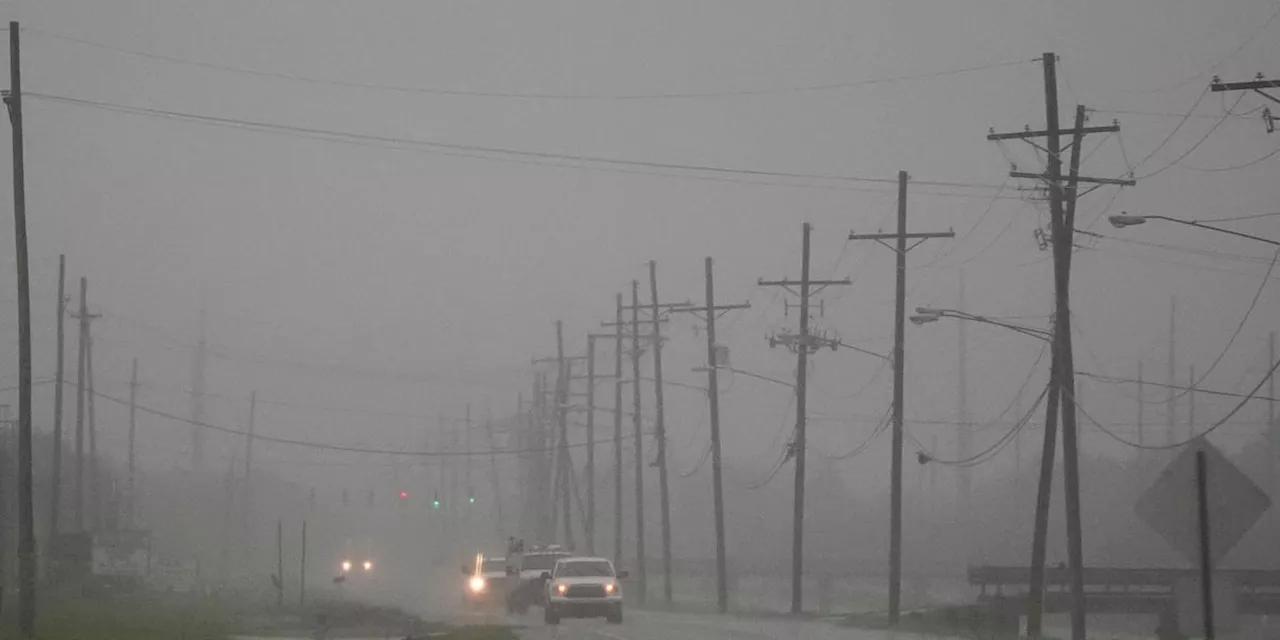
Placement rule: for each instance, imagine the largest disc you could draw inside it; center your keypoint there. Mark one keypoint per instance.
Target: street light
(1126, 220)
(929, 314)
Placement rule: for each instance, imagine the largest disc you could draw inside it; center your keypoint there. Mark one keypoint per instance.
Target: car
(584, 587)
(525, 581)
(486, 580)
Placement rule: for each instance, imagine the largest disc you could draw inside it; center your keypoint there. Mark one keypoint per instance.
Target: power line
(831, 86)
(1194, 146)
(334, 447)
(1216, 425)
(995, 448)
(1244, 217)
(1242, 165)
(517, 156)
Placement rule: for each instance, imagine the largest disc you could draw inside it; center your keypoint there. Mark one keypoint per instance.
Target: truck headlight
(561, 588)
(610, 588)
(477, 584)
(368, 565)
(346, 566)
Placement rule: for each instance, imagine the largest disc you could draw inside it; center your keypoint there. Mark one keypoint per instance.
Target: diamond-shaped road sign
(1170, 505)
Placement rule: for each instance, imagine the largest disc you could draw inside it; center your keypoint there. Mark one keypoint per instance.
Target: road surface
(649, 625)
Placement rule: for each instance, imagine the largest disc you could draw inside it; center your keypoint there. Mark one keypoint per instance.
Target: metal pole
(1171, 407)
(1273, 429)
(664, 501)
(798, 446)
(717, 488)
(964, 440)
(1191, 401)
(95, 490)
(899, 358)
(641, 570)
(1206, 560)
(279, 563)
(82, 347)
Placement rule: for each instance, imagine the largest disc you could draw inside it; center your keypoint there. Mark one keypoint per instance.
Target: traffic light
(471, 499)
(435, 501)
(404, 495)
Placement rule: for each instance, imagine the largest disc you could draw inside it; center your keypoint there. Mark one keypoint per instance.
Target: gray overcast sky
(453, 269)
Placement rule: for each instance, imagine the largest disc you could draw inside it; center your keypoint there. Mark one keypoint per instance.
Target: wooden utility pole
(1191, 401)
(495, 477)
(563, 468)
(964, 439)
(1171, 399)
(26, 505)
(590, 524)
(802, 344)
(302, 568)
(55, 481)
(642, 577)
(1257, 85)
(1141, 400)
(661, 434)
(711, 312)
(1062, 204)
(246, 501)
(95, 480)
(1273, 428)
(280, 564)
(131, 514)
(617, 432)
(899, 362)
(197, 395)
(82, 344)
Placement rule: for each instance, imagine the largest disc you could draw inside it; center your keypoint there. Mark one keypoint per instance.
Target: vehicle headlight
(368, 565)
(477, 584)
(610, 588)
(561, 588)
(346, 566)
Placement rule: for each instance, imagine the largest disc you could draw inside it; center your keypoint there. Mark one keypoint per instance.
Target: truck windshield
(584, 568)
(494, 565)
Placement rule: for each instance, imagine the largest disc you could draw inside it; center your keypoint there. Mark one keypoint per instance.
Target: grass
(478, 632)
(150, 619)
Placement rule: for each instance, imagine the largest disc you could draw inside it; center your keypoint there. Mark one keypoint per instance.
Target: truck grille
(585, 591)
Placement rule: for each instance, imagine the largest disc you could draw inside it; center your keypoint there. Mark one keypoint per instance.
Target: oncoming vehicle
(486, 580)
(582, 587)
(526, 584)
(356, 565)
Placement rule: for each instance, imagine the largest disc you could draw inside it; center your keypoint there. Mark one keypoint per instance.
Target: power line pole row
(803, 344)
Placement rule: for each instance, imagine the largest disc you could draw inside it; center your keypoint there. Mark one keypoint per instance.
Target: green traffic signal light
(471, 499)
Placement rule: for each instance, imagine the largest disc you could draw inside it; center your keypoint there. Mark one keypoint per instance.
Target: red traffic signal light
(404, 495)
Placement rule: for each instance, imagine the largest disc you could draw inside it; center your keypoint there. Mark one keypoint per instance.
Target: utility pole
(1257, 85)
(55, 482)
(713, 400)
(1191, 401)
(802, 344)
(95, 504)
(642, 573)
(494, 476)
(26, 506)
(466, 477)
(617, 433)
(590, 526)
(1273, 428)
(1141, 425)
(1171, 406)
(899, 366)
(279, 564)
(133, 432)
(1062, 203)
(661, 429)
(302, 568)
(197, 396)
(562, 404)
(246, 502)
(82, 344)
(964, 439)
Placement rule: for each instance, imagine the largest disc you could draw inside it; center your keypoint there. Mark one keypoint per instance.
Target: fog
(254, 176)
